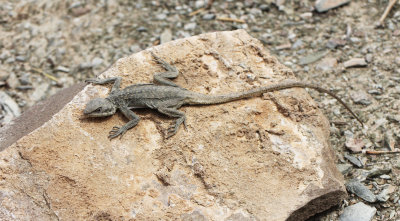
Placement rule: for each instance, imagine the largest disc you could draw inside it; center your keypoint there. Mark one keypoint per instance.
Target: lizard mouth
(83, 117)
(99, 112)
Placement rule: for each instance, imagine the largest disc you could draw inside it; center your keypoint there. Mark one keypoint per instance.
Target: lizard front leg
(120, 131)
(162, 78)
(115, 80)
(173, 112)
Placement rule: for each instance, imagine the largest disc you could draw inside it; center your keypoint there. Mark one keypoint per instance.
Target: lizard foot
(172, 131)
(116, 131)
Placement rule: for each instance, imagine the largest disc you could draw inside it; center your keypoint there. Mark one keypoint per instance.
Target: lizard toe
(172, 131)
(184, 124)
(114, 132)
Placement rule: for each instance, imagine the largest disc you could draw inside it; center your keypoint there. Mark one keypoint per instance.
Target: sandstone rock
(265, 158)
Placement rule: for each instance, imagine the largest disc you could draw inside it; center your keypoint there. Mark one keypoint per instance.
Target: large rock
(265, 158)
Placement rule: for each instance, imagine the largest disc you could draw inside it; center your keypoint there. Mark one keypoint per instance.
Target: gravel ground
(46, 45)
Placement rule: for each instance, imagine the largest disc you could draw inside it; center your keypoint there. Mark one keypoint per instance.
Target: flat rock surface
(265, 158)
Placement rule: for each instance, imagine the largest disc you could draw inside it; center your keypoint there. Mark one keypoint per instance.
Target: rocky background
(49, 45)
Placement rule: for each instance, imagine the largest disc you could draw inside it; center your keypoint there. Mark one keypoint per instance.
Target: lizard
(167, 97)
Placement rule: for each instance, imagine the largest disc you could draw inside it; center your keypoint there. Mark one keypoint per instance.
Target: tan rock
(326, 64)
(355, 62)
(265, 158)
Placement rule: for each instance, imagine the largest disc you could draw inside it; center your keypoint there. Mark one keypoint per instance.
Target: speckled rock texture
(264, 158)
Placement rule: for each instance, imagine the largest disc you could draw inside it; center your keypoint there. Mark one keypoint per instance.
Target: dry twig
(230, 19)
(45, 74)
(197, 11)
(375, 152)
(208, 6)
(386, 12)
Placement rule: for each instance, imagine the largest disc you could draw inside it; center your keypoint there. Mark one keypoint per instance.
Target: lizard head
(99, 107)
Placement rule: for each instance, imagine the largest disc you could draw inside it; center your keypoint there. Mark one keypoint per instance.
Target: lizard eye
(98, 109)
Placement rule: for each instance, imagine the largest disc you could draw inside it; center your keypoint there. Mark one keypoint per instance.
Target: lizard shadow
(158, 118)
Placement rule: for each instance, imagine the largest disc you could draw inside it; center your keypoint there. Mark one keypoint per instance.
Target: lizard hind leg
(173, 112)
(163, 78)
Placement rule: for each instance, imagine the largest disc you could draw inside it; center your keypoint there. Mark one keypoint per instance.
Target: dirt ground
(47, 45)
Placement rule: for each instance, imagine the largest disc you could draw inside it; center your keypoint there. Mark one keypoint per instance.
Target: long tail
(197, 98)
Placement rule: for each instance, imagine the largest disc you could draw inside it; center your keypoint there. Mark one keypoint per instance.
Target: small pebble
(166, 36)
(355, 144)
(25, 79)
(312, 58)
(199, 3)
(62, 69)
(9, 109)
(141, 29)
(369, 57)
(79, 11)
(135, 48)
(326, 64)
(376, 172)
(12, 80)
(39, 92)
(383, 196)
(189, 26)
(360, 97)
(283, 47)
(96, 61)
(264, 7)
(306, 15)
(397, 60)
(297, 44)
(355, 62)
(354, 186)
(355, 39)
(344, 168)
(390, 141)
(325, 5)
(10, 60)
(3, 75)
(335, 43)
(374, 92)
(25, 87)
(20, 58)
(385, 177)
(358, 212)
(208, 16)
(161, 16)
(251, 77)
(355, 161)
